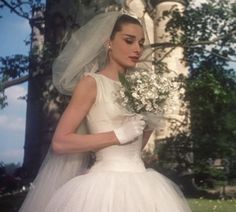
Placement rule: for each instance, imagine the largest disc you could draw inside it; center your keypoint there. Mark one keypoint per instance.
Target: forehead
(132, 29)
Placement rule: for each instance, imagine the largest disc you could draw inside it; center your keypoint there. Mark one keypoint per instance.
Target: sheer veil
(85, 52)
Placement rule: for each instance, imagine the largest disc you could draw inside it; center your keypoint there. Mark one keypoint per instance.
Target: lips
(134, 59)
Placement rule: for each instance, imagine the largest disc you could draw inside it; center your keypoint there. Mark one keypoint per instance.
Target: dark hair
(121, 20)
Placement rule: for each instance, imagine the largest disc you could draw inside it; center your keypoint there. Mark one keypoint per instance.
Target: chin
(130, 65)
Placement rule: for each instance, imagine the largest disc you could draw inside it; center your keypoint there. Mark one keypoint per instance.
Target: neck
(113, 70)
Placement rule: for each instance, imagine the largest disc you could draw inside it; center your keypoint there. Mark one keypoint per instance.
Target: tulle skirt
(114, 191)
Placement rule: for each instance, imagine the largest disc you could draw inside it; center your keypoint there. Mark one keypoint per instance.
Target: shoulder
(86, 88)
(86, 82)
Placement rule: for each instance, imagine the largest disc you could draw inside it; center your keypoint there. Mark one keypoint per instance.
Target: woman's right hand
(131, 129)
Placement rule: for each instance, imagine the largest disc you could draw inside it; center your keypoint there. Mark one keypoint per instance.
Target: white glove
(130, 130)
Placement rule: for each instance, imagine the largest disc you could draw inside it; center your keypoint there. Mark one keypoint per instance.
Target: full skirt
(113, 191)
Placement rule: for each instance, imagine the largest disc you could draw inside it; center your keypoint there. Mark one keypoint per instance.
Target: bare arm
(65, 140)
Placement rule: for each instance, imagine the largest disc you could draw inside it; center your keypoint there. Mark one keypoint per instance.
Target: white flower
(181, 91)
(122, 93)
(135, 95)
(147, 91)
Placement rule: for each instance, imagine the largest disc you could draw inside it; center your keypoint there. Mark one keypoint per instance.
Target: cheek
(123, 49)
(120, 50)
(121, 46)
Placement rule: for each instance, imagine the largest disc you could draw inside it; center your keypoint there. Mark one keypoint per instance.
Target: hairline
(123, 24)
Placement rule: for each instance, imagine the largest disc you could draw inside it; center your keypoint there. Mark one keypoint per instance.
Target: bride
(93, 121)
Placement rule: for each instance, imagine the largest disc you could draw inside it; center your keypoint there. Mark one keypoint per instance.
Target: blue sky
(14, 30)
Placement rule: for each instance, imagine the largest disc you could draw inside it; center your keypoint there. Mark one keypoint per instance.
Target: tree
(44, 103)
(206, 32)
(211, 85)
(209, 42)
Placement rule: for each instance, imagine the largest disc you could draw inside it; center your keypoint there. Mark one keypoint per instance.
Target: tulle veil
(84, 52)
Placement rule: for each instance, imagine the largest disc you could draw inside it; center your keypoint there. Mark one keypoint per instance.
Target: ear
(107, 45)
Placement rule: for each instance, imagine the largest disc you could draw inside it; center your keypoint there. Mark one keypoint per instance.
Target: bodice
(105, 115)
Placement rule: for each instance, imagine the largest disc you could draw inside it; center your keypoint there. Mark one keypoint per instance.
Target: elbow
(57, 146)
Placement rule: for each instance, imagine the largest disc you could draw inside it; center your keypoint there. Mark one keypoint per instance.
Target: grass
(13, 202)
(208, 205)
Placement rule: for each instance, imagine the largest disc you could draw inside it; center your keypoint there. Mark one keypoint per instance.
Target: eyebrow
(133, 36)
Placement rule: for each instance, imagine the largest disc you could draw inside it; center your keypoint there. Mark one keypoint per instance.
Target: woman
(118, 180)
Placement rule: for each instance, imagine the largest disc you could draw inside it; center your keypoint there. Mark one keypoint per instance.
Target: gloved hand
(130, 130)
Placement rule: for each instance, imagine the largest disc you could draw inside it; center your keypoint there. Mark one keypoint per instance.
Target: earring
(109, 47)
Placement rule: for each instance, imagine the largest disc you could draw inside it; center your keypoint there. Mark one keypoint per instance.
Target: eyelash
(131, 41)
(128, 41)
(141, 45)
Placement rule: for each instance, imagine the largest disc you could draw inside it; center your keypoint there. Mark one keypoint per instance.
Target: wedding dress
(118, 180)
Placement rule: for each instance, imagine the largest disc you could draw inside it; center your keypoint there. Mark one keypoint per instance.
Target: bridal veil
(84, 52)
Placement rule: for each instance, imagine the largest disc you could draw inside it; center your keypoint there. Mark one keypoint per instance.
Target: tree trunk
(45, 104)
(33, 134)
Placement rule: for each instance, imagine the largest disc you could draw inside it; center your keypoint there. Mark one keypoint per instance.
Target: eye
(141, 44)
(129, 41)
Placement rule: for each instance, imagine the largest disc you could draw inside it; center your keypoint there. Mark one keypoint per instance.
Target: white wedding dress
(118, 181)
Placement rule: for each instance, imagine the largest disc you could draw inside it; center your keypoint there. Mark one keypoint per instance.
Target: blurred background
(193, 43)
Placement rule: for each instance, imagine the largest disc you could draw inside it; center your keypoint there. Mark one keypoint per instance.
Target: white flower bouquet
(145, 92)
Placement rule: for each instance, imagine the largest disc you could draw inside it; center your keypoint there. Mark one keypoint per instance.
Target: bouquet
(145, 92)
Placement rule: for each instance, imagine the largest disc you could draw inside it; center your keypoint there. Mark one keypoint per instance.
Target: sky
(14, 30)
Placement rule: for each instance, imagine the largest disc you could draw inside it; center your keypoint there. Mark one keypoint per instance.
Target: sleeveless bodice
(105, 115)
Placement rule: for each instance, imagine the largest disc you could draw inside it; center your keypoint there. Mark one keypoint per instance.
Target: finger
(142, 123)
(138, 117)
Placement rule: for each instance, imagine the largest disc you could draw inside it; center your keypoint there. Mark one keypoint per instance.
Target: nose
(137, 48)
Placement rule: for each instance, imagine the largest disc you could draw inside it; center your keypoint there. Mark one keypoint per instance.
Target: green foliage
(211, 87)
(213, 117)
(11, 67)
(207, 33)
(20, 7)
(14, 67)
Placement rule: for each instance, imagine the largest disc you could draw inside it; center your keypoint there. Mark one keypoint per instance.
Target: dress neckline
(115, 81)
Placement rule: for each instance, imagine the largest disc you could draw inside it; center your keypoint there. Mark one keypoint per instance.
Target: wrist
(118, 133)
(114, 138)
